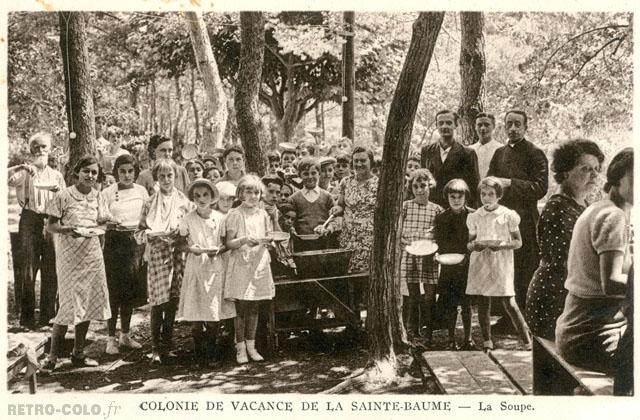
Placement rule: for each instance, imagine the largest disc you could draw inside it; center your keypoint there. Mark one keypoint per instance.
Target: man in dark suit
(447, 159)
(523, 171)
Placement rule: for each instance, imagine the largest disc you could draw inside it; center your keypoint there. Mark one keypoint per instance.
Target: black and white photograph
(418, 205)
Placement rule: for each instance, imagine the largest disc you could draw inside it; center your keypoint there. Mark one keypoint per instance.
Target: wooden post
(348, 77)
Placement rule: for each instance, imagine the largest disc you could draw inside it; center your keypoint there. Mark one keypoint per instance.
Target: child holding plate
(493, 235)
(126, 271)
(82, 283)
(201, 301)
(158, 226)
(451, 235)
(419, 268)
(248, 279)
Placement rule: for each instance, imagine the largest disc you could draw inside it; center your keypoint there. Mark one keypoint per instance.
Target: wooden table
(295, 296)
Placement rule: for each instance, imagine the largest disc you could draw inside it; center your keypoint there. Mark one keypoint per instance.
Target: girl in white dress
(248, 278)
(491, 267)
(201, 300)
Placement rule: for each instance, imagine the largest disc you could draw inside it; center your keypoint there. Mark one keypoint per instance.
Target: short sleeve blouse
(76, 209)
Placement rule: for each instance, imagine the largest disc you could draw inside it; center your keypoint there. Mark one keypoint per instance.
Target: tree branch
(591, 57)
(112, 16)
(313, 105)
(274, 52)
(275, 99)
(449, 35)
(266, 99)
(622, 38)
(570, 40)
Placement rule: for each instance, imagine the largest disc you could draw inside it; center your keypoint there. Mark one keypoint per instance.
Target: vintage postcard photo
(219, 209)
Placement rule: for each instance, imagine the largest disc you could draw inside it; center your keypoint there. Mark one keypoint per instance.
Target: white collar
(447, 149)
(499, 210)
(489, 143)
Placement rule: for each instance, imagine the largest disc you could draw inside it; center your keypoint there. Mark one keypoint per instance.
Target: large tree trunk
(145, 110)
(472, 72)
(286, 129)
(289, 106)
(78, 90)
(384, 315)
(154, 108)
(176, 135)
(348, 78)
(133, 94)
(194, 105)
(289, 117)
(211, 79)
(322, 123)
(246, 97)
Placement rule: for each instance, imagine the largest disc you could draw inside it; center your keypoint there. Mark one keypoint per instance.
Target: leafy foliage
(535, 61)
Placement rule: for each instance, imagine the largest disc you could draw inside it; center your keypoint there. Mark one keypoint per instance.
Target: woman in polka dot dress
(576, 164)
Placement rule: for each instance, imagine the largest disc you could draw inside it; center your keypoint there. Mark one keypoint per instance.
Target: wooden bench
(33, 345)
(477, 373)
(552, 375)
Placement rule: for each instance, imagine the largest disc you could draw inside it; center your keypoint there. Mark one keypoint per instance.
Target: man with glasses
(36, 183)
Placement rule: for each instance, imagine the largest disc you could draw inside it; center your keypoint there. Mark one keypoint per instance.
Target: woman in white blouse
(123, 257)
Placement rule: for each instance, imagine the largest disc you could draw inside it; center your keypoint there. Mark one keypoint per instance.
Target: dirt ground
(304, 363)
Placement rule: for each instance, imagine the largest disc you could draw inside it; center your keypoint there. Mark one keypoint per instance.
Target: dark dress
(451, 235)
(546, 294)
(125, 268)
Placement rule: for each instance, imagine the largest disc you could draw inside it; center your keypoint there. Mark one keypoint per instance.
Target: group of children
(486, 271)
(208, 249)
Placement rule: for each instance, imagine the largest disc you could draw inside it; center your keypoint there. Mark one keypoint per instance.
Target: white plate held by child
(159, 234)
(422, 247)
(450, 259)
(196, 249)
(490, 242)
(89, 232)
(278, 236)
(45, 186)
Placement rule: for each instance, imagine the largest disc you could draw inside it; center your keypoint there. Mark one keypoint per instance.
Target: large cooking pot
(322, 263)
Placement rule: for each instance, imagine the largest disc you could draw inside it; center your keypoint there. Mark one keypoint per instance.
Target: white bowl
(450, 259)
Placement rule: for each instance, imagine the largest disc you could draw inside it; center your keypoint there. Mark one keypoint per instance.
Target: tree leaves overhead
(35, 83)
(571, 71)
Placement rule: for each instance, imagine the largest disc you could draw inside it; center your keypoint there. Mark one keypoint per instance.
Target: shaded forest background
(571, 72)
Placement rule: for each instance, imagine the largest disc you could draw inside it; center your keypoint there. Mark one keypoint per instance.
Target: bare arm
(515, 243)
(54, 226)
(338, 209)
(472, 245)
(612, 277)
